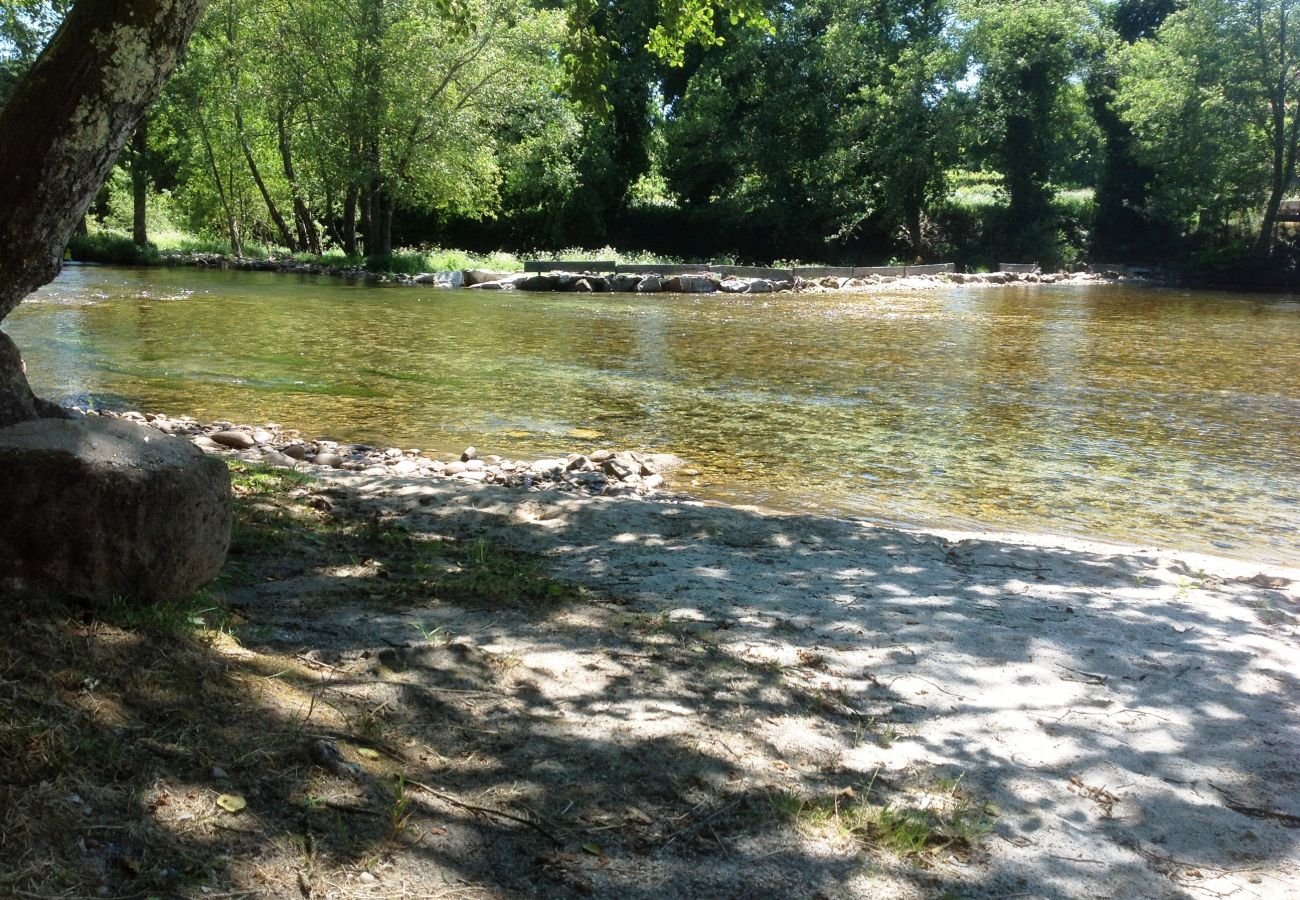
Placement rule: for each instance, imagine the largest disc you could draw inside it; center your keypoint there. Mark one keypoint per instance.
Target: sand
(1128, 715)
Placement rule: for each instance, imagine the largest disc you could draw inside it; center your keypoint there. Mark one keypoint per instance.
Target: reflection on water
(1143, 415)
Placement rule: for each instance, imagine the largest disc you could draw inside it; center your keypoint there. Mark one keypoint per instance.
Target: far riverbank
(665, 277)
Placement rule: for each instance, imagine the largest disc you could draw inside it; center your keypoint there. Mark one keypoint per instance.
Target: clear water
(1144, 415)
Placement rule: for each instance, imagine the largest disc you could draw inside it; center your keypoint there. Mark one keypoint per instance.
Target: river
(1142, 415)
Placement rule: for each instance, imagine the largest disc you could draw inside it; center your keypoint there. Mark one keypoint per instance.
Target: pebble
(601, 471)
(278, 459)
(238, 440)
(366, 878)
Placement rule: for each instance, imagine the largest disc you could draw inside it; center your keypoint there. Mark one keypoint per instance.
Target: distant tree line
(832, 130)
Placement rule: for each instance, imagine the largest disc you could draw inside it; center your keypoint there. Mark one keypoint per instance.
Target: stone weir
(602, 276)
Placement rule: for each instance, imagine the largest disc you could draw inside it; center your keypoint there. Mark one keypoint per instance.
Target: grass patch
(264, 480)
(175, 619)
(487, 573)
(913, 824)
(283, 526)
(112, 248)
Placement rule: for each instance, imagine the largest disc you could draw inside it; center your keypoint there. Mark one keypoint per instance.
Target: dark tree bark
(350, 221)
(140, 184)
(308, 237)
(60, 133)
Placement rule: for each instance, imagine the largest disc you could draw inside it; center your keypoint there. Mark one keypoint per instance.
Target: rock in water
(96, 508)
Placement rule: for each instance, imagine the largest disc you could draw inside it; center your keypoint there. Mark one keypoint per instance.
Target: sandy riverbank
(424, 685)
(1129, 715)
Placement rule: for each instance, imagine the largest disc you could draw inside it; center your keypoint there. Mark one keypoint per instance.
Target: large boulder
(96, 508)
(471, 277)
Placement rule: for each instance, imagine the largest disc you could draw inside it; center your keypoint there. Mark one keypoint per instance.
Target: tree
(894, 67)
(25, 26)
(1122, 223)
(60, 133)
(1025, 53)
(1214, 102)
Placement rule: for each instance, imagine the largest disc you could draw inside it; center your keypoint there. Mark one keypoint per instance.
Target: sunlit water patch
(1151, 416)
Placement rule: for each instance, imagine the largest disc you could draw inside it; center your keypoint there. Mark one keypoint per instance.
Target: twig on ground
(1286, 820)
(1088, 677)
(316, 662)
(696, 826)
(484, 810)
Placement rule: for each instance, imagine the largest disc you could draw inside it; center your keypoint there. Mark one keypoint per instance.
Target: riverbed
(1143, 415)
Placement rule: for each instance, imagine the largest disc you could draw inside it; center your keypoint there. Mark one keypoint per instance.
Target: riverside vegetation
(438, 684)
(978, 132)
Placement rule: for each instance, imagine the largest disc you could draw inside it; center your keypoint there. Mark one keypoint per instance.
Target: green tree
(1214, 102)
(894, 66)
(25, 26)
(1025, 55)
(1122, 225)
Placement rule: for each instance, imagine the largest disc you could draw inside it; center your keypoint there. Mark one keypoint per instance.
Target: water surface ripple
(1144, 415)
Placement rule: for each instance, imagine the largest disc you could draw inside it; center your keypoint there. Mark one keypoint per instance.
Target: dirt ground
(435, 689)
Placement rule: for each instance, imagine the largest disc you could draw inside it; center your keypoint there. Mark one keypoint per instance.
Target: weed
(264, 480)
(436, 636)
(947, 820)
(399, 810)
(191, 616)
(498, 576)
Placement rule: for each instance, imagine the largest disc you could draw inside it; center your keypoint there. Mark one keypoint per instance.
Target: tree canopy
(835, 130)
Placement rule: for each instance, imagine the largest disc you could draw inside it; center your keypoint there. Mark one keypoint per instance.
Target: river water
(1138, 414)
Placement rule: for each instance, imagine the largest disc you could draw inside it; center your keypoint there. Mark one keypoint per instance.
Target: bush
(111, 247)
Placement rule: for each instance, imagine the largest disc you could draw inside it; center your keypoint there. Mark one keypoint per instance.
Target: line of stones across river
(600, 276)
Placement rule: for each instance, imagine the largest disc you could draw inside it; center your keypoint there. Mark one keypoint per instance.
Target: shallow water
(1138, 414)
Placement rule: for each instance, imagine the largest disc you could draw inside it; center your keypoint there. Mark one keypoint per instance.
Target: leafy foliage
(726, 129)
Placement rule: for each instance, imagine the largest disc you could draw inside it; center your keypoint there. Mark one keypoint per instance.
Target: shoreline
(610, 473)
(1126, 715)
(675, 278)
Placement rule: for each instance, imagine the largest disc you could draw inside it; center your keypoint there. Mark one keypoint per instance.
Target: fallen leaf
(231, 803)
(368, 753)
(593, 849)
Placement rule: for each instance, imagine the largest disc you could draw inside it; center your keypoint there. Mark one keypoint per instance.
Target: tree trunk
(308, 237)
(140, 184)
(278, 220)
(350, 221)
(387, 207)
(231, 227)
(60, 133)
